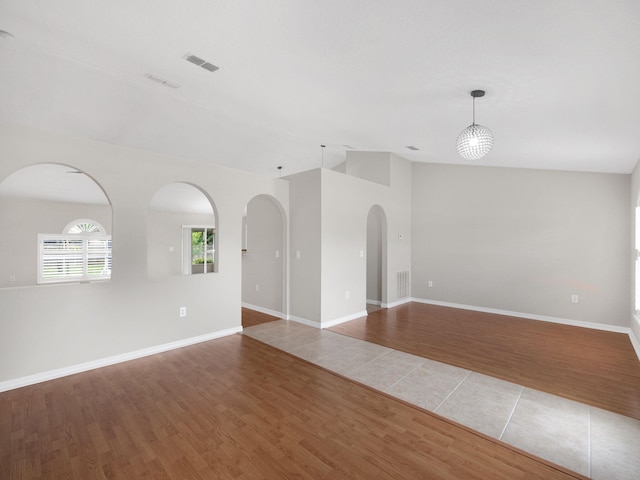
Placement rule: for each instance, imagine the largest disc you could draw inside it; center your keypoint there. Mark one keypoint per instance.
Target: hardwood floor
(234, 408)
(591, 366)
(252, 317)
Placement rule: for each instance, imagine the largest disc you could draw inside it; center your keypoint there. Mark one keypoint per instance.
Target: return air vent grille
(200, 62)
(403, 285)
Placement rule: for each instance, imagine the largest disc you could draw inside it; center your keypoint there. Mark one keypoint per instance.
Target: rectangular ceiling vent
(200, 62)
(162, 81)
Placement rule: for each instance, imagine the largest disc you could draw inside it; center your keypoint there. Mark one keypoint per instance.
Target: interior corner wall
(523, 241)
(55, 327)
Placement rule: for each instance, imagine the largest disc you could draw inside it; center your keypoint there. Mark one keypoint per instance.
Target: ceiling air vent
(200, 62)
(162, 81)
(411, 147)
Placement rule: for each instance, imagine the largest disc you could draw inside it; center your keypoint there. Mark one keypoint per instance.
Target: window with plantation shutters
(82, 253)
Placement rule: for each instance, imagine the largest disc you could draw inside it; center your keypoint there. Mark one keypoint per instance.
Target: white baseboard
(348, 318)
(397, 303)
(373, 302)
(634, 340)
(104, 362)
(530, 316)
(304, 321)
(267, 311)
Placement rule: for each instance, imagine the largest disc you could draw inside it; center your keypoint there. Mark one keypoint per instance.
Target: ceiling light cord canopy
(475, 141)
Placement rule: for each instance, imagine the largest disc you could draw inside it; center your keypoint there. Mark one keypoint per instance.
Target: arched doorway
(264, 257)
(376, 258)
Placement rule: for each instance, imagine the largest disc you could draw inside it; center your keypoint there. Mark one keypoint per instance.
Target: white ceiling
(562, 78)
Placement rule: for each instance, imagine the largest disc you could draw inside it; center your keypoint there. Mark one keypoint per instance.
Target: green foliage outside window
(201, 246)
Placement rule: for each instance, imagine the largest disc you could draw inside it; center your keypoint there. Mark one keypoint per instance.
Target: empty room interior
(303, 239)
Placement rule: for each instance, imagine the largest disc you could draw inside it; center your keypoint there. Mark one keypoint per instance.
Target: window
(198, 249)
(81, 253)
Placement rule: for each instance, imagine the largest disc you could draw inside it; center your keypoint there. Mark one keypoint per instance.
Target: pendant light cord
(474, 111)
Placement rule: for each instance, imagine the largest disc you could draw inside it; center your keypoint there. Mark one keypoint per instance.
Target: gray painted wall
(523, 240)
(49, 327)
(635, 201)
(305, 245)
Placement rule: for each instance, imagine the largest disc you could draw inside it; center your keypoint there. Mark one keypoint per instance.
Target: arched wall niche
(264, 258)
(42, 199)
(182, 232)
(376, 256)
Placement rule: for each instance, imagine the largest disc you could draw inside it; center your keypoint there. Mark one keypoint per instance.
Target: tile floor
(594, 442)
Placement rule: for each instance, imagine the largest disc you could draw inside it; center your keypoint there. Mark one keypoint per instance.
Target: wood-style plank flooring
(251, 318)
(234, 408)
(591, 366)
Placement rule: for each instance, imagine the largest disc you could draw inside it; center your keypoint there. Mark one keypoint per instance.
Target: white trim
(304, 321)
(104, 362)
(348, 318)
(267, 311)
(530, 316)
(397, 303)
(634, 340)
(635, 343)
(374, 302)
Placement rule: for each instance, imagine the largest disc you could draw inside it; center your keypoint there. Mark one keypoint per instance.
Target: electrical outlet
(574, 298)
(347, 294)
(257, 287)
(430, 284)
(183, 311)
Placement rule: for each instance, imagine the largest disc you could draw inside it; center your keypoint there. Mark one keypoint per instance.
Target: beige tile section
(615, 446)
(270, 331)
(482, 403)
(551, 427)
(428, 385)
(352, 357)
(386, 370)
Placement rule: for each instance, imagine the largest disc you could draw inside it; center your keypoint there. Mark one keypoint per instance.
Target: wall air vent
(200, 62)
(162, 81)
(404, 284)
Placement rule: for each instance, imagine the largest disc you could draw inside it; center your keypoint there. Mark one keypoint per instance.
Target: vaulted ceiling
(562, 78)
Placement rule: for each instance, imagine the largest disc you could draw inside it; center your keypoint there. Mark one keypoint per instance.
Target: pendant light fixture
(475, 141)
